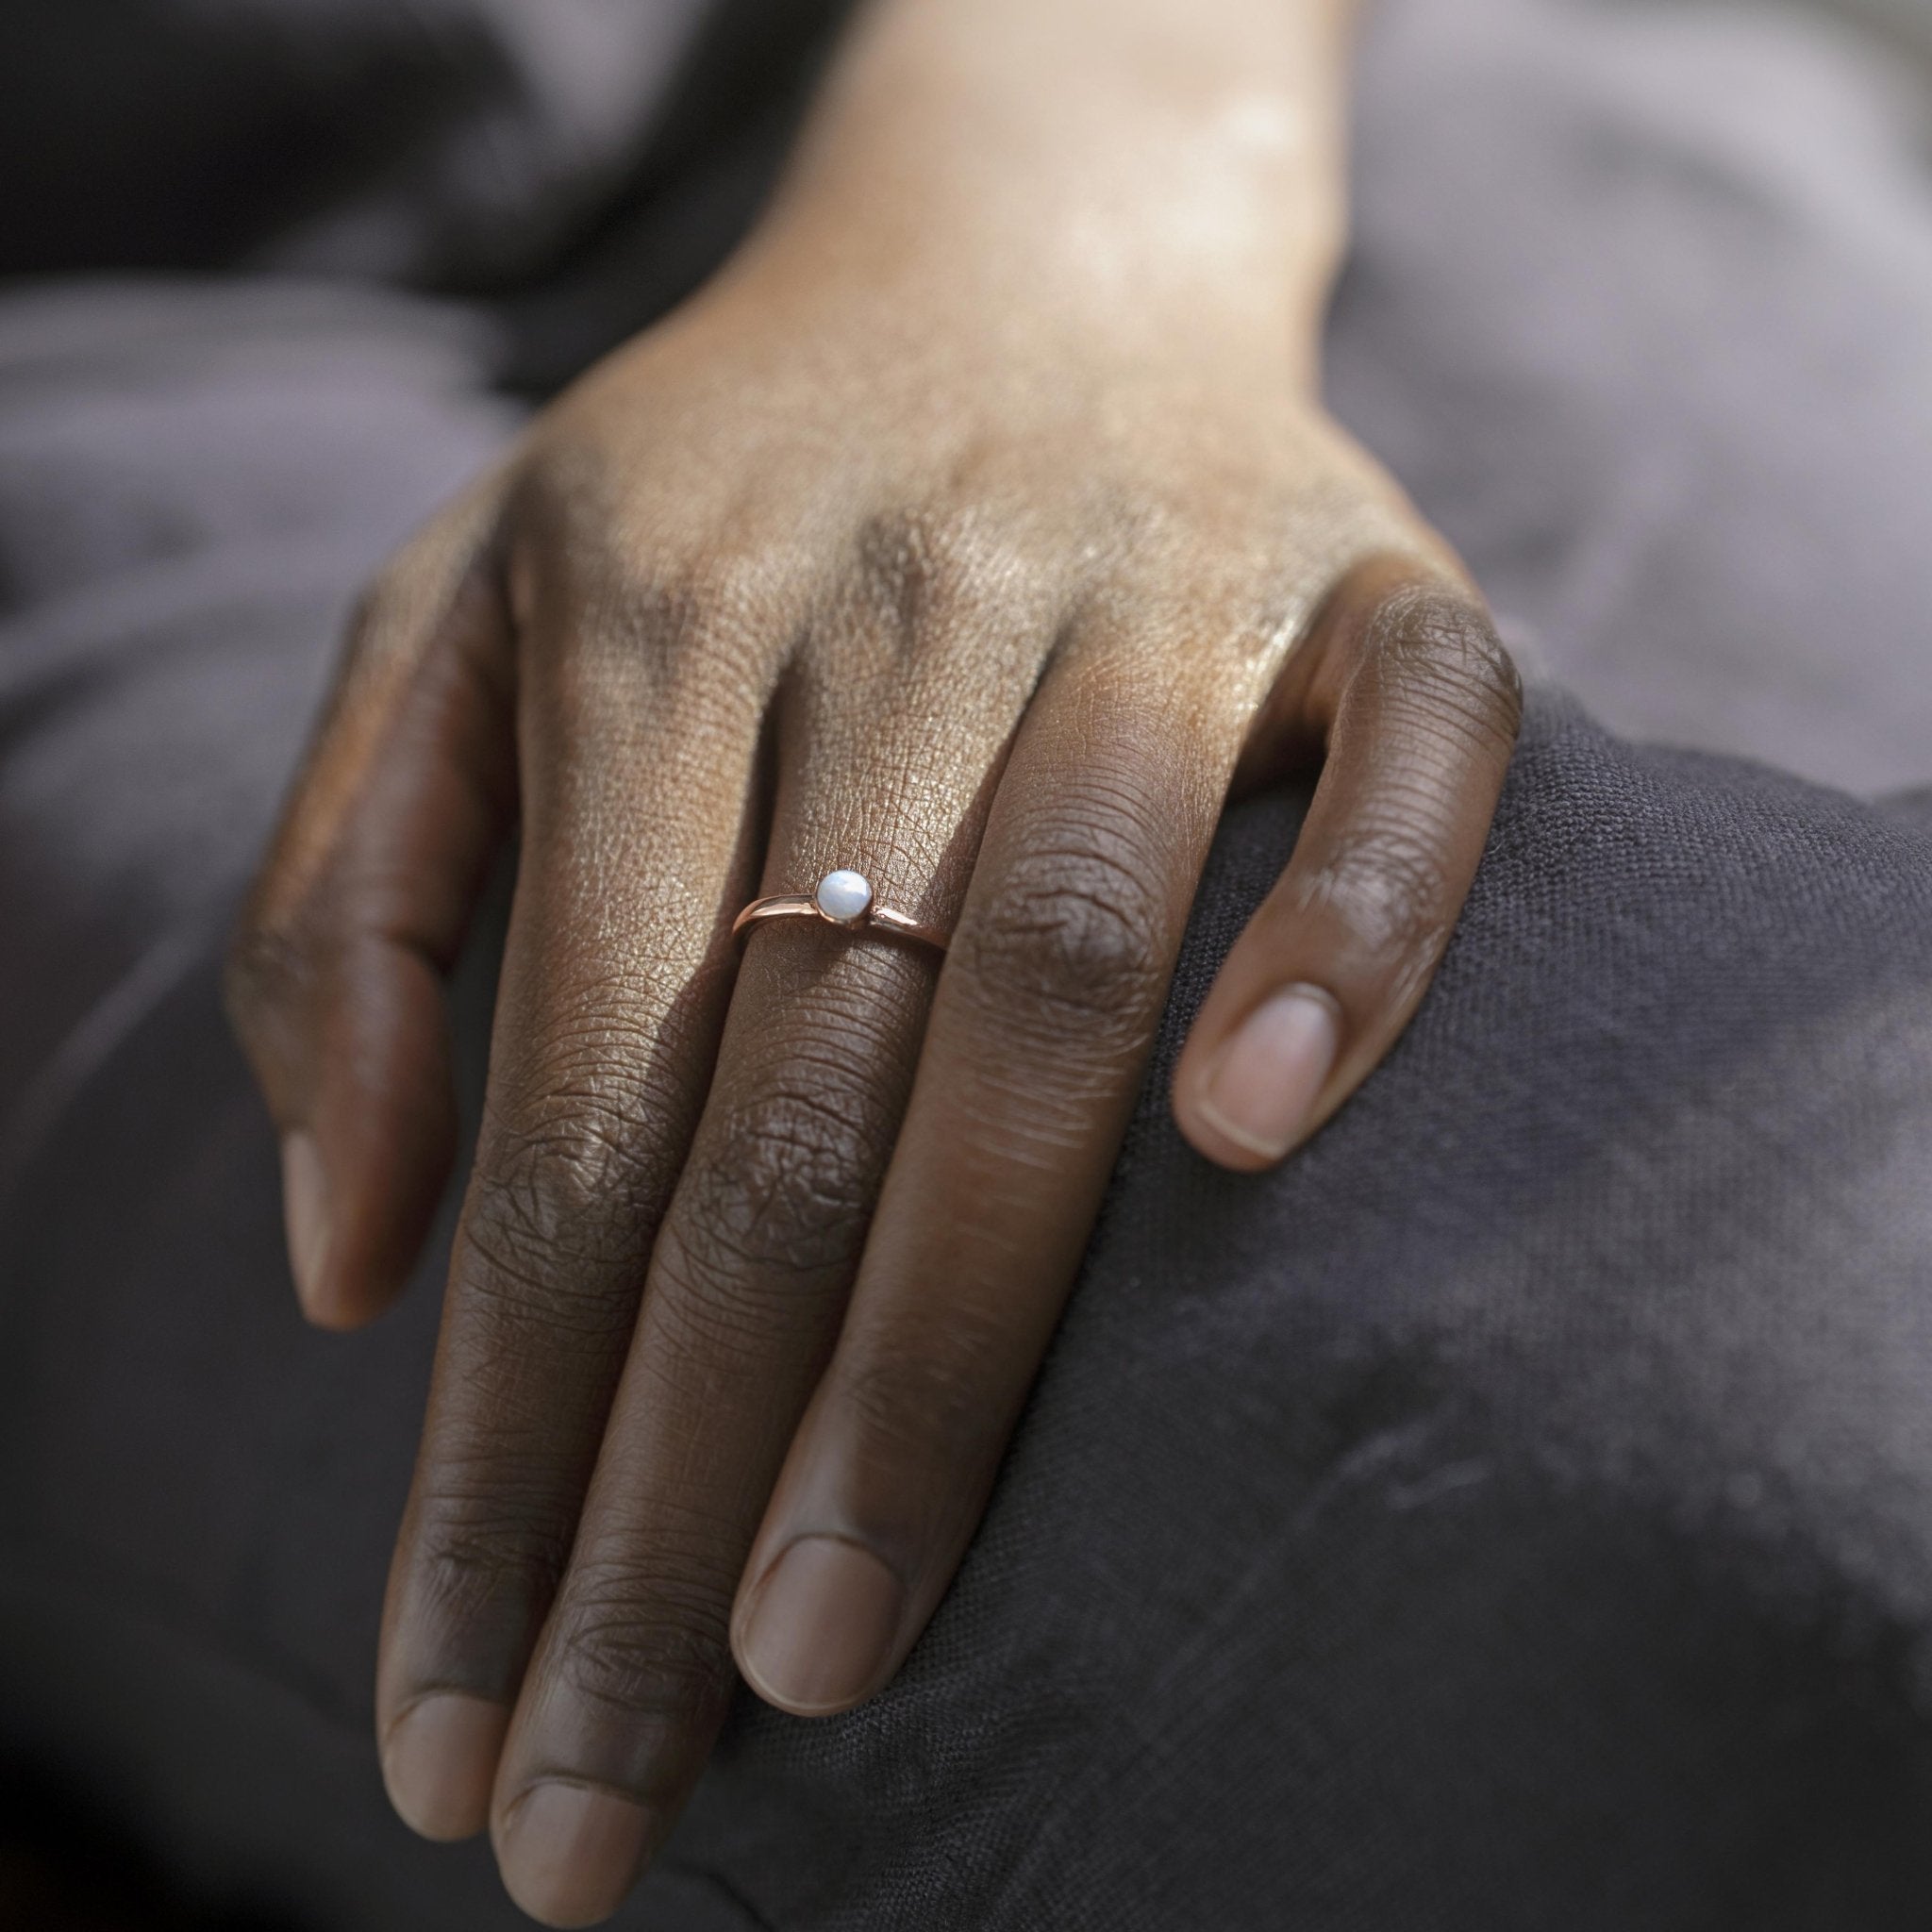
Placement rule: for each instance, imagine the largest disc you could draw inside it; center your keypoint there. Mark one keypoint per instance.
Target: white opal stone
(844, 895)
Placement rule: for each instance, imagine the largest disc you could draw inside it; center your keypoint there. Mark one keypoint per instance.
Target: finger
(883, 774)
(641, 814)
(1421, 704)
(334, 978)
(629, 1682)
(1038, 1042)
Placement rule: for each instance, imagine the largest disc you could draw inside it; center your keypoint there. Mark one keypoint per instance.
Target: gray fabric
(1642, 314)
(445, 141)
(1516, 1513)
(1641, 308)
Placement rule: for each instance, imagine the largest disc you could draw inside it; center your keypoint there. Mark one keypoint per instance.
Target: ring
(841, 899)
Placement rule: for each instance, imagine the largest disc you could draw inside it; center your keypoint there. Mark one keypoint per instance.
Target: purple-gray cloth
(1515, 1514)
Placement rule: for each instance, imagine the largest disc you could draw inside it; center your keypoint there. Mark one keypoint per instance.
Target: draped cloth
(1515, 1512)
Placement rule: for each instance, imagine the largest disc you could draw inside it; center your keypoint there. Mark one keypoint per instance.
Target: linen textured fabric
(1517, 1511)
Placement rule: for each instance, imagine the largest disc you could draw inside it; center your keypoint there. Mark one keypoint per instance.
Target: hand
(854, 562)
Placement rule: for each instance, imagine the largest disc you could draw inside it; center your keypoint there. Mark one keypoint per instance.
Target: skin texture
(978, 528)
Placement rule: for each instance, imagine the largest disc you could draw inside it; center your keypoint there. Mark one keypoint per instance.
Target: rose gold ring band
(843, 899)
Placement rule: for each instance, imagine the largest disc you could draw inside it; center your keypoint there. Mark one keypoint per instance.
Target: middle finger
(885, 765)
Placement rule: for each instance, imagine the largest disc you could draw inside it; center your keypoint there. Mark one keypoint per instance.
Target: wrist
(1152, 175)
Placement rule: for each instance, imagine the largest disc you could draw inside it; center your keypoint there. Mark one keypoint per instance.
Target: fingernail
(570, 1854)
(820, 1629)
(1262, 1089)
(439, 1761)
(305, 1211)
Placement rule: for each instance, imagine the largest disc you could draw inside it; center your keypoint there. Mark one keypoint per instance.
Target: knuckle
(556, 1224)
(398, 609)
(1439, 651)
(1385, 886)
(636, 588)
(918, 565)
(265, 970)
(395, 592)
(565, 487)
(778, 1194)
(636, 1642)
(710, 612)
(1076, 938)
(486, 1552)
(276, 972)
(390, 606)
(714, 607)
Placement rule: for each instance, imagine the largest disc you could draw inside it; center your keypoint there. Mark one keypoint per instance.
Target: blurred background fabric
(1908, 22)
(1653, 292)
(1640, 299)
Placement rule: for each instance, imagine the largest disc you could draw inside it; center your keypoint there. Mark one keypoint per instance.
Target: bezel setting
(844, 897)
